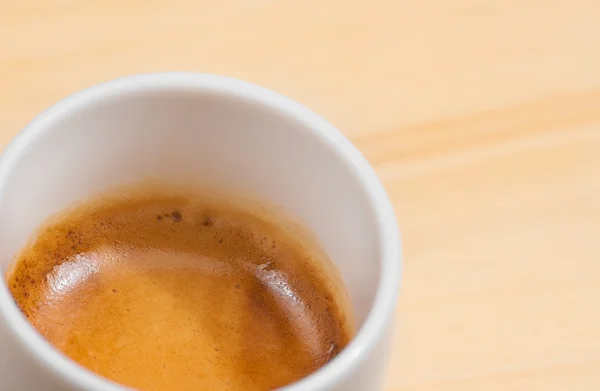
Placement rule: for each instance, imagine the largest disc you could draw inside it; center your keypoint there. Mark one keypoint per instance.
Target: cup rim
(382, 310)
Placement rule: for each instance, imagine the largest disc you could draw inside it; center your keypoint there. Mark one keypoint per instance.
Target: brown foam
(172, 292)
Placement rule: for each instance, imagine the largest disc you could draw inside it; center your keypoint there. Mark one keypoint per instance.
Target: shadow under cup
(206, 130)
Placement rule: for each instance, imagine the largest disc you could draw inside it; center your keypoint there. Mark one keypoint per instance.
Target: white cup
(208, 130)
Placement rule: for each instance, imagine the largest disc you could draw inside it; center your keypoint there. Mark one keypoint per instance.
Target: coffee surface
(172, 292)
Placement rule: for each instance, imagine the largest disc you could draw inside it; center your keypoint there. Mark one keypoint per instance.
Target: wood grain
(481, 117)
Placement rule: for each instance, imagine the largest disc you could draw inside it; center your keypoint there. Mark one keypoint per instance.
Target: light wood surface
(482, 118)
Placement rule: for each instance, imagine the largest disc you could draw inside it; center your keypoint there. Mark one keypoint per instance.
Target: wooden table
(481, 117)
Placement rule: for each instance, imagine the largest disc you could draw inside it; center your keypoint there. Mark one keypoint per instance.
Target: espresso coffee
(161, 290)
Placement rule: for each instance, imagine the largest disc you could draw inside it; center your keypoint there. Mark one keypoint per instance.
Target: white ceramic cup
(210, 130)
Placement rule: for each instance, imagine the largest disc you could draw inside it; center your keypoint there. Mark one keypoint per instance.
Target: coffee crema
(158, 290)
